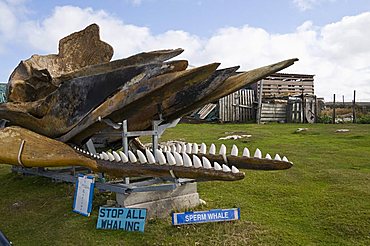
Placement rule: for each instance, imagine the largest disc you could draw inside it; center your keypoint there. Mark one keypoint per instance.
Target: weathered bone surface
(56, 101)
(33, 78)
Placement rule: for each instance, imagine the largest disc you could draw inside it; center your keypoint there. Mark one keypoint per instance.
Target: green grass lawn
(323, 200)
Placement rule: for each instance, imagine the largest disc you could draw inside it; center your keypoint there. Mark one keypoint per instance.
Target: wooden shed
(280, 85)
(285, 97)
(280, 97)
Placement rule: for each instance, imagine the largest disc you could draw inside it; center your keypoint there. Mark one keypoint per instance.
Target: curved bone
(245, 161)
(124, 104)
(74, 100)
(40, 151)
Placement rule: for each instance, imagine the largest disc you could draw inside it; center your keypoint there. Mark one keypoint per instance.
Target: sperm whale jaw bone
(41, 151)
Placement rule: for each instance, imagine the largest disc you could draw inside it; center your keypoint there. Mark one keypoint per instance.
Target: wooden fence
(301, 112)
(237, 107)
(294, 111)
(273, 112)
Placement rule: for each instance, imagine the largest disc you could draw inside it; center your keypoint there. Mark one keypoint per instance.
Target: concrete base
(160, 204)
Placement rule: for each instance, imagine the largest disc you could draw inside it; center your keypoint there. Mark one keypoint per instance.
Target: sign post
(128, 219)
(84, 193)
(214, 215)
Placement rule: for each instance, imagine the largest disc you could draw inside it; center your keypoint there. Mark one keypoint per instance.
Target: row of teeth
(202, 149)
(172, 159)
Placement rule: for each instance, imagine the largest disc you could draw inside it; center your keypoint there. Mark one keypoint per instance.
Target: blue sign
(84, 194)
(213, 215)
(128, 219)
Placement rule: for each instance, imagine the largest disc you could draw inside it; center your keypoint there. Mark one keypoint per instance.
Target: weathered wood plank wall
(273, 112)
(237, 107)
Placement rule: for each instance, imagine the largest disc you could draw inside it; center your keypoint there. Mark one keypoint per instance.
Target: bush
(363, 119)
(324, 119)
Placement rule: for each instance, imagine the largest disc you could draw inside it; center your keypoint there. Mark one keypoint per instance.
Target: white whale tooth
(123, 156)
(160, 157)
(178, 159)
(91, 154)
(150, 156)
(217, 166)
(116, 156)
(246, 152)
(206, 163)
(187, 160)
(285, 159)
(83, 151)
(195, 149)
(225, 168)
(164, 149)
(268, 156)
(203, 149)
(188, 148)
(258, 153)
(110, 156)
(277, 157)
(197, 162)
(234, 169)
(178, 148)
(183, 148)
(101, 156)
(173, 148)
(141, 156)
(212, 149)
(74, 147)
(222, 150)
(132, 157)
(234, 150)
(170, 158)
(105, 156)
(97, 157)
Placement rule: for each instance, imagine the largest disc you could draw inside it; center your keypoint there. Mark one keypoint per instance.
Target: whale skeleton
(56, 103)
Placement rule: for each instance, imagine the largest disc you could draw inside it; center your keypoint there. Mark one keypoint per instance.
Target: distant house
(2, 92)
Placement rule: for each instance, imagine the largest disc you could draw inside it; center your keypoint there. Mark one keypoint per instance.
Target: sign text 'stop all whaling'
(128, 219)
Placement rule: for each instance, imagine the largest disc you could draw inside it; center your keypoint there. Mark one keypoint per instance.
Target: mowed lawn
(323, 200)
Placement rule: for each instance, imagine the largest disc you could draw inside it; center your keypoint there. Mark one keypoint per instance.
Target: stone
(160, 204)
(342, 130)
(301, 130)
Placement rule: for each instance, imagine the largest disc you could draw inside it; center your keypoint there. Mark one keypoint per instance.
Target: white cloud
(338, 53)
(136, 2)
(304, 5)
(8, 24)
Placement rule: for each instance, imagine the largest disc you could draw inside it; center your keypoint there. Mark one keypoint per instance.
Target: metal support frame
(65, 175)
(124, 186)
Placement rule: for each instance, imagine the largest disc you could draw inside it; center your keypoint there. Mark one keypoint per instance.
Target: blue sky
(330, 37)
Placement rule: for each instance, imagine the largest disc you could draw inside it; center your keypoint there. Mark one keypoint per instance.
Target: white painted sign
(84, 195)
